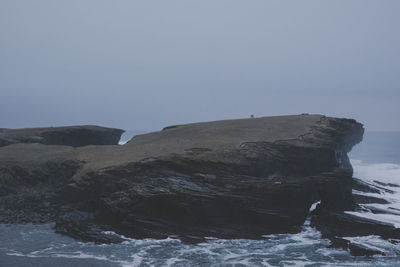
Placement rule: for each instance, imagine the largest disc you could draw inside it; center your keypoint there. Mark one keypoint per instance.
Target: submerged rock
(354, 248)
(231, 179)
(361, 250)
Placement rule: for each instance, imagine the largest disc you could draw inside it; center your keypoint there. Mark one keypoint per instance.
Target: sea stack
(239, 178)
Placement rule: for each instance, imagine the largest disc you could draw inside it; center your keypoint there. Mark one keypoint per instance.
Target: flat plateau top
(213, 136)
(29, 131)
(227, 132)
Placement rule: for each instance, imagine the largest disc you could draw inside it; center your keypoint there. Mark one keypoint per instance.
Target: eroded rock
(232, 179)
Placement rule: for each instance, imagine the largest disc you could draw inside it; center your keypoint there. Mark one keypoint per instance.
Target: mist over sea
(375, 160)
(378, 147)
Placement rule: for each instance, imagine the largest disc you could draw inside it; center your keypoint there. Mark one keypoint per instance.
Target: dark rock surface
(334, 224)
(68, 136)
(354, 248)
(231, 179)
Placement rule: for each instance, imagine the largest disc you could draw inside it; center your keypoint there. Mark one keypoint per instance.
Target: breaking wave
(381, 172)
(385, 177)
(32, 244)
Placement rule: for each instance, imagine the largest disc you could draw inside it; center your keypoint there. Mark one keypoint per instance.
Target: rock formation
(68, 136)
(230, 179)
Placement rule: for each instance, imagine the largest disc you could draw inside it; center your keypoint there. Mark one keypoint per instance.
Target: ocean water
(376, 161)
(127, 135)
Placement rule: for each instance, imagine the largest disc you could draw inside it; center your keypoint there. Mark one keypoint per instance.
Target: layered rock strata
(230, 179)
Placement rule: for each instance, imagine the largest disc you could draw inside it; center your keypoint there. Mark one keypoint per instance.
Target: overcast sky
(142, 65)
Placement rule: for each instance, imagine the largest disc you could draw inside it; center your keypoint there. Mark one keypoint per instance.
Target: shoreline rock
(229, 179)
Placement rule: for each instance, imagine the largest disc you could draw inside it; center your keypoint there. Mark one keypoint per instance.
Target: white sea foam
(314, 206)
(375, 175)
(382, 172)
(301, 249)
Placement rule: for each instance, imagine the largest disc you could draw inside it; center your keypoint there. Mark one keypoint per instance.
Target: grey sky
(147, 64)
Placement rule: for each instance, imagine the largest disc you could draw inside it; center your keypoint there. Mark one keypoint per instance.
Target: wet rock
(79, 225)
(362, 199)
(340, 224)
(355, 249)
(361, 250)
(387, 184)
(337, 242)
(365, 187)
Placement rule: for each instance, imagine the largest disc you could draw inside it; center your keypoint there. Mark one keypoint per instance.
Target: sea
(376, 160)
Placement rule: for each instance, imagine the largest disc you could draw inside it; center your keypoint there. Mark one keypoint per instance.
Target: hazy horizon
(146, 65)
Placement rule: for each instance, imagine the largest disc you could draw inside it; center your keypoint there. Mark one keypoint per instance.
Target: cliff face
(68, 136)
(232, 179)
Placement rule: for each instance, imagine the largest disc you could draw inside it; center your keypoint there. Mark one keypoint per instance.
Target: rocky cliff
(232, 179)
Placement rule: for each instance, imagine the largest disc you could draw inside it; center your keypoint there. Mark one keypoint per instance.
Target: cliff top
(68, 135)
(213, 141)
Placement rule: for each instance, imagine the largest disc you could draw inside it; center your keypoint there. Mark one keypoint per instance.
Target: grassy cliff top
(190, 140)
